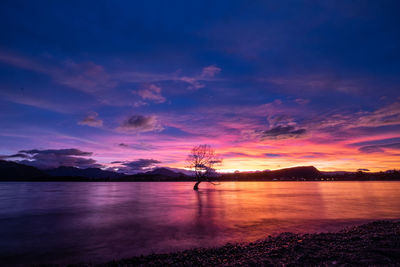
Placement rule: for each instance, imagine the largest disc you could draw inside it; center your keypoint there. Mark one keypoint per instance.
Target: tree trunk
(196, 186)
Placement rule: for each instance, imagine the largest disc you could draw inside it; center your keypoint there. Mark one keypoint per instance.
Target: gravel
(372, 244)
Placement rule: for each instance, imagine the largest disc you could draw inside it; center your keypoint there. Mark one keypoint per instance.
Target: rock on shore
(372, 244)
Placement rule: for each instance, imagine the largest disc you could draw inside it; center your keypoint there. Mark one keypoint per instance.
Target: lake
(67, 222)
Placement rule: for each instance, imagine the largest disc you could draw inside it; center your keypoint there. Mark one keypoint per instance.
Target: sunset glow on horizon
(265, 85)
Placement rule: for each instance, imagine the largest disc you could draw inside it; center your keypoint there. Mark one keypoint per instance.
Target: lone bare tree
(202, 160)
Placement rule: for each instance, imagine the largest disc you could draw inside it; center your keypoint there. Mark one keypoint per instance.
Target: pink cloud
(193, 83)
(388, 115)
(210, 71)
(151, 92)
(92, 119)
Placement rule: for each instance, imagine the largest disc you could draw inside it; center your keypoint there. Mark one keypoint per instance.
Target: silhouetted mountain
(165, 172)
(10, 170)
(295, 173)
(94, 173)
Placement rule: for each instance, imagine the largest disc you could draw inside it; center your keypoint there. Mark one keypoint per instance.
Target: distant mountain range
(12, 171)
(86, 173)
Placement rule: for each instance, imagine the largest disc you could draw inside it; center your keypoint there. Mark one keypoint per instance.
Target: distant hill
(94, 173)
(10, 170)
(295, 173)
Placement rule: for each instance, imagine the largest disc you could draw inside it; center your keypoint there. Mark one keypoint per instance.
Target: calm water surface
(96, 222)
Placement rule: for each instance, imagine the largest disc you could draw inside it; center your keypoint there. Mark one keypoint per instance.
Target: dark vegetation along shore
(372, 244)
(12, 171)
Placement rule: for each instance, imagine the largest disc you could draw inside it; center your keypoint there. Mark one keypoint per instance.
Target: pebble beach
(372, 244)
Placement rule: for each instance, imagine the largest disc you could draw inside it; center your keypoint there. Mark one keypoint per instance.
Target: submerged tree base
(372, 244)
(196, 186)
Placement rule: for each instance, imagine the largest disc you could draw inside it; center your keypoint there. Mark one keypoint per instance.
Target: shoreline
(187, 181)
(375, 243)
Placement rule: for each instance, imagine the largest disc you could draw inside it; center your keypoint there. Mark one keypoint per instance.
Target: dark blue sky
(310, 82)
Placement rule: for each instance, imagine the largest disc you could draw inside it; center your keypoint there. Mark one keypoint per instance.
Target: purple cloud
(140, 123)
(302, 101)
(53, 158)
(379, 148)
(92, 119)
(271, 155)
(388, 115)
(136, 166)
(151, 92)
(210, 71)
(283, 132)
(315, 83)
(193, 83)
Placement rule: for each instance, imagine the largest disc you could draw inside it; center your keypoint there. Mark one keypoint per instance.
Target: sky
(132, 85)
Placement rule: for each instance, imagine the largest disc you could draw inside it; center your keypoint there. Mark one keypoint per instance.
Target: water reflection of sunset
(108, 218)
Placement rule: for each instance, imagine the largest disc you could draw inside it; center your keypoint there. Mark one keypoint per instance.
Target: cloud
(102, 84)
(84, 76)
(65, 152)
(207, 74)
(283, 132)
(210, 71)
(53, 158)
(377, 142)
(245, 155)
(388, 115)
(139, 165)
(271, 155)
(312, 155)
(302, 101)
(143, 146)
(18, 155)
(138, 146)
(151, 92)
(282, 126)
(49, 100)
(379, 148)
(363, 170)
(140, 123)
(92, 119)
(139, 103)
(317, 83)
(193, 83)
(123, 145)
(234, 155)
(371, 149)
(280, 120)
(22, 62)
